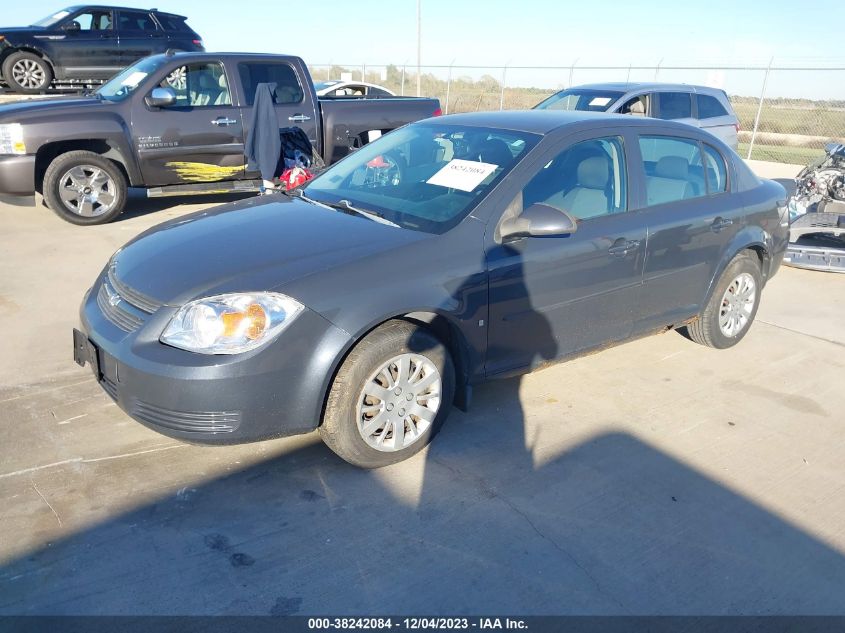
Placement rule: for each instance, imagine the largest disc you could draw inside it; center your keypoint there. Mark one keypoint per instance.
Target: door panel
(571, 290)
(91, 51)
(200, 139)
(688, 228)
(293, 105)
(551, 297)
(139, 36)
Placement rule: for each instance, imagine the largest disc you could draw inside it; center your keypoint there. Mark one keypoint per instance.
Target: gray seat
(207, 89)
(588, 198)
(671, 181)
(223, 98)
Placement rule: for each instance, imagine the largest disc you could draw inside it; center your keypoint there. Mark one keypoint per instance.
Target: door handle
(720, 223)
(622, 247)
(223, 121)
(299, 117)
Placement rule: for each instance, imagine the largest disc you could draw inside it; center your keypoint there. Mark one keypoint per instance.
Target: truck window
(288, 88)
(199, 85)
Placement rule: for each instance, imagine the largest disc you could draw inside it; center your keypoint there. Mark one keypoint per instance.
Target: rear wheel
(84, 188)
(733, 305)
(27, 73)
(390, 396)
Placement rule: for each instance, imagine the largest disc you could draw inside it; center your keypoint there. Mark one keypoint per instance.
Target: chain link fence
(786, 114)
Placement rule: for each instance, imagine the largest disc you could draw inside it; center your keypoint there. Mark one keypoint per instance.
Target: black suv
(87, 44)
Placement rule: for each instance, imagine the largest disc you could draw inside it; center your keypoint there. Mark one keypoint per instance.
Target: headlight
(231, 323)
(11, 139)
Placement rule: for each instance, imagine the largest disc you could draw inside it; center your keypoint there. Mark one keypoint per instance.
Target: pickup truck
(174, 124)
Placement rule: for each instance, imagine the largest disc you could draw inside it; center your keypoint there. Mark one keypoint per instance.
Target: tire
(349, 408)
(27, 73)
(732, 297)
(85, 188)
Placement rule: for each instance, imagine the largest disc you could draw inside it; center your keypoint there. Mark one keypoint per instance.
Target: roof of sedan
(539, 121)
(627, 86)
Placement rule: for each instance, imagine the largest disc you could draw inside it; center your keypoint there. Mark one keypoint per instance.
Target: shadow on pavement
(609, 526)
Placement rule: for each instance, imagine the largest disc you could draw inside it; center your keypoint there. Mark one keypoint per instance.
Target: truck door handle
(299, 117)
(720, 223)
(622, 247)
(223, 121)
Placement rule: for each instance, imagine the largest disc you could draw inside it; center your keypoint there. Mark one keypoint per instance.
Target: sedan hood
(254, 245)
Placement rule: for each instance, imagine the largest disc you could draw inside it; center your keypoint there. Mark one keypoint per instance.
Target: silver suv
(707, 108)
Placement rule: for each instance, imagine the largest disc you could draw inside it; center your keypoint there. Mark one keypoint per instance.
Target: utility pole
(419, 43)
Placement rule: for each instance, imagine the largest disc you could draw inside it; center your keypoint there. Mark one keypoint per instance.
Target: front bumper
(273, 391)
(17, 176)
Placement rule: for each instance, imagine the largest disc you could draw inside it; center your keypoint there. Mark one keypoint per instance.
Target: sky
(534, 32)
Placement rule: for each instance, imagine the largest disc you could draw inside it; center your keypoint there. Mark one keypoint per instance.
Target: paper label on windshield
(134, 79)
(60, 15)
(600, 101)
(465, 175)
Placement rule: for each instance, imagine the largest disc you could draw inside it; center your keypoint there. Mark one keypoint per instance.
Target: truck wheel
(85, 188)
(27, 73)
(390, 396)
(733, 305)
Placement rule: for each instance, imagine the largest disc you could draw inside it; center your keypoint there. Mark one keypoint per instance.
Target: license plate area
(85, 351)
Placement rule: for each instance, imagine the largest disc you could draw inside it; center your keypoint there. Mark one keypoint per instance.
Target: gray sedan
(450, 251)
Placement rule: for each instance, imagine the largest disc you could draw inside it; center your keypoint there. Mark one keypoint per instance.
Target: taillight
(197, 42)
(438, 112)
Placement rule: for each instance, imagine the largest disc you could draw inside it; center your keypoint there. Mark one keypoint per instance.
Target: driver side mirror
(539, 220)
(161, 98)
(72, 27)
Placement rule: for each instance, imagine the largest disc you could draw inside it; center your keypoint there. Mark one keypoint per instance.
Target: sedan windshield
(123, 84)
(580, 99)
(426, 176)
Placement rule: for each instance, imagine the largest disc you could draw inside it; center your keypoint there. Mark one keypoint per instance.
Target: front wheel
(27, 73)
(733, 305)
(85, 188)
(390, 396)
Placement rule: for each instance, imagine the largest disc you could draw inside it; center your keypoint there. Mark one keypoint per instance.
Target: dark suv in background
(88, 43)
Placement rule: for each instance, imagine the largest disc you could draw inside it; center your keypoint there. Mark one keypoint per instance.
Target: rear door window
(136, 21)
(288, 88)
(674, 105)
(673, 169)
(709, 107)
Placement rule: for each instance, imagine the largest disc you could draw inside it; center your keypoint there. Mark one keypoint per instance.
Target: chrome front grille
(135, 298)
(109, 303)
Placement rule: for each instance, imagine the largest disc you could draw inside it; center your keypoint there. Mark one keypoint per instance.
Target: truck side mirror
(161, 98)
(72, 27)
(539, 220)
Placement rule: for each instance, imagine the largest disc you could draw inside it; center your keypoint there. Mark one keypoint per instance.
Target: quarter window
(717, 173)
(674, 105)
(587, 179)
(673, 169)
(288, 89)
(709, 107)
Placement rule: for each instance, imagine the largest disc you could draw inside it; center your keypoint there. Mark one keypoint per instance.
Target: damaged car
(817, 214)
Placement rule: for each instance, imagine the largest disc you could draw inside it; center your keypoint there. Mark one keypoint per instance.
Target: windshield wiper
(372, 215)
(343, 205)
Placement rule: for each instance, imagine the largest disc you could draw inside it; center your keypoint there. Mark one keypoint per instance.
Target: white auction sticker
(600, 101)
(465, 175)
